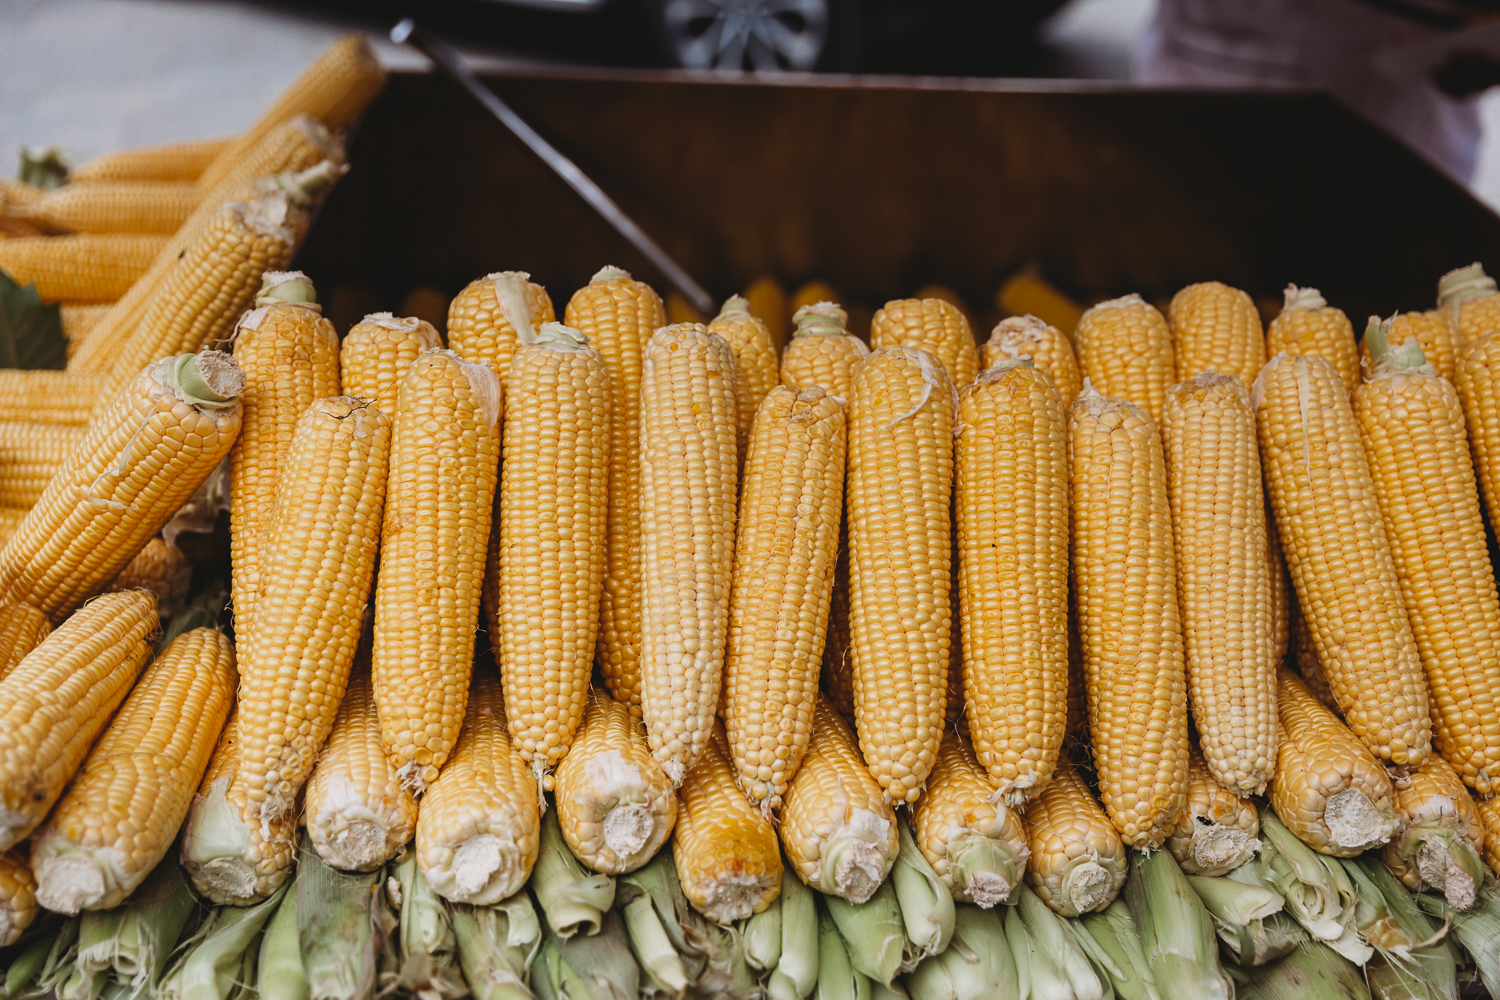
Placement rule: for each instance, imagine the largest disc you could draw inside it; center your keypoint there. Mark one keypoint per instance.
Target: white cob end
(734, 897)
(1353, 821)
(1219, 848)
(627, 829)
(1435, 864)
(69, 882)
(475, 861)
(987, 889)
(1087, 887)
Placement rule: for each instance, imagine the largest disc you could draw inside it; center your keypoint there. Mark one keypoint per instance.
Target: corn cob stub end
(1464, 283)
(1087, 886)
(821, 318)
(290, 287)
(854, 863)
(609, 273)
(1392, 359)
(987, 870)
(210, 380)
(1356, 823)
(559, 337)
(1296, 299)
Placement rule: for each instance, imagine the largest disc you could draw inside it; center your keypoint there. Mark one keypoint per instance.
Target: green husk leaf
(497, 945)
(653, 949)
(1052, 938)
(690, 934)
(588, 966)
(1424, 964)
(1235, 903)
(763, 937)
(1313, 971)
(428, 962)
(976, 965)
(874, 932)
(25, 959)
(155, 918)
(926, 904)
(209, 964)
(61, 959)
(796, 972)
(1262, 941)
(1118, 940)
(1177, 933)
(1477, 929)
(281, 975)
(1317, 889)
(837, 977)
(45, 167)
(1036, 971)
(31, 334)
(572, 897)
(337, 927)
(895, 991)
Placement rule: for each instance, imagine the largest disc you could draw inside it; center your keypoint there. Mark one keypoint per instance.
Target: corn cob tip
(1386, 359)
(66, 883)
(854, 861)
(1355, 822)
(1437, 863)
(735, 305)
(609, 273)
(1296, 299)
(996, 371)
(1124, 301)
(302, 188)
(560, 338)
(482, 380)
(214, 840)
(1464, 283)
(210, 380)
(821, 317)
(1087, 886)
(1221, 847)
(975, 862)
(292, 287)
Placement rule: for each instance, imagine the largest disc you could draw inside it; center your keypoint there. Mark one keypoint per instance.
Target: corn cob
(58, 698)
(1216, 328)
(822, 351)
(479, 828)
(79, 320)
(12, 228)
(1478, 384)
(317, 557)
(115, 207)
(1124, 349)
(377, 351)
(1440, 837)
(1223, 576)
(233, 860)
(174, 161)
(1283, 607)
(150, 449)
(494, 315)
(935, 290)
(1431, 331)
(768, 303)
(1308, 326)
(334, 89)
(899, 488)
(837, 674)
(973, 841)
(445, 453)
(358, 815)
(18, 906)
(16, 194)
(546, 555)
(618, 316)
(755, 363)
(1328, 789)
(932, 325)
(1077, 863)
(837, 827)
(1012, 507)
(1413, 431)
(1126, 584)
(725, 848)
(1049, 350)
(783, 576)
(614, 804)
(1026, 291)
(1469, 298)
(10, 520)
(1336, 547)
(1488, 809)
(85, 266)
(1078, 704)
(161, 568)
(50, 397)
(687, 537)
(22, 628)
(121, 813)
(30, 455)
(1305, 659)
(1216, 833)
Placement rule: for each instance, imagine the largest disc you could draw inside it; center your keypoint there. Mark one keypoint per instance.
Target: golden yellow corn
(149, 450)
(30, 455)
(377, 351)
(1488, 809)
(1026, 292)
(790, 507)
(688, 477)
(1046, 346)
(1308, 326)
(1124, 349)
(546, 555)
(1469, 298)
(290, 356)
(22, 628)
(1223, 576)
(932, 325)
(18, 905)
(1012, 507)
(445, 453)
(1216, 833)
(755, 362)
(1430, 329)
(618, 316)
(1441, 837)
(173, 161)
(725, 848)
(57, 699)
(79, 320)
(1283, 605)
(161, 568)
(357, 813)
(49, 397)
(479, 827)
(615, 805)
(1128, 622)
(900, 483)
(317, 557)
(121, 813)
(494, 315)
(973, 841)
(1077, 863)
(822, 351)
(1478, 384)
(10, 520)
(1216, 328)
(768, 303)
(85, 266)
(115, 207)
(1336, 547)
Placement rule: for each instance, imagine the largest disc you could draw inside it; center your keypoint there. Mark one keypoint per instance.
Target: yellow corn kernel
(10, 520)
(22, 628)
(161, 568)
(49, 397)
(823, 352)
(18, 905)
(1124, 349)
(1217, 831)
(973, 841)
(1283, 605)
(932, 325)
(30, 455)
(1488, 808)
(116, 207)
(1469, 298)
(837, 675)
(79, 320)
(377, 351)
(1440, 838)
(494, 315)
(755, 362)
(1478, 384)
(1077, 863)
(89, 266)
(1308, 326)
(1216, 328)
(1046, 346)
(173, 161)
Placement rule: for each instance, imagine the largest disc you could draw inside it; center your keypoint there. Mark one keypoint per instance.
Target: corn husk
(596, 966)
(837, 977)
(281, 974)
(338, 927)
(211, 965)
(711, 958)
(497, 945)
(1113, 941)
(1049, 933)
(926, 904)
(572, 898)
(1313, 971)
(796, 972)
(654, 953)
(428, 958)
(129, 945)
(23, 961)
(1177, 933)
(976, 965)
(1476, 929)
(874, 933)
(1413, 961)
(763, 938)
(1244, 916)
(1316, 888)
(895, 991)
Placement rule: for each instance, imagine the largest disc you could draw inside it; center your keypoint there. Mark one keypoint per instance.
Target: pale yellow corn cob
(1047, 347)
(1478, 384)
(1488, 808)
(173, 161)
(1216, 328)
(1431, 330)
(619, 315)
(10, 520)
(1336, 548)
(1329, 789)
(85, 266)
(932, 325)
(688, 479)
(494, 315)
(1440, 839)
(1129, 629)
(724, 848)
(445, 453)
(22, 628)
(900, 484)
(755, 362)
(768, 303)
(1217, 831)
(290, 356)
(1077, 863)
(1223, 576)
(479, 827)
(357, 813)
(161, 568)
(1124, 349)
(790, 507)
(545, 567)
(1283, 606)
(1469, 298)
(18, 905)
(1012, 507)
(79, 320)
(376, 353)
(1307, 325)
(57, 699)
(615, 805)
(115, 207)
(822, 352)
(149, 450)
(121, 813)
(49, 397)
(30, 455)
(973, 841)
